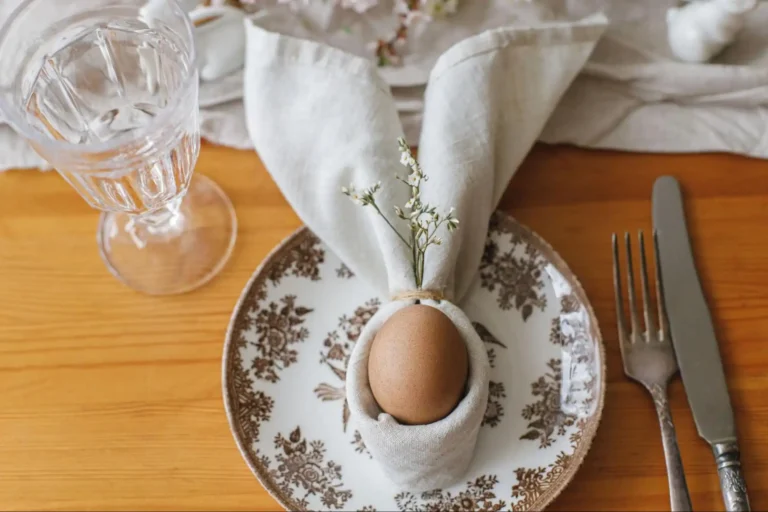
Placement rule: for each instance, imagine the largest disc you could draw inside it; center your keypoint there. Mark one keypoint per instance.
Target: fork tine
(634, 320)
(623, 338)
(650, 328)
(663, 322)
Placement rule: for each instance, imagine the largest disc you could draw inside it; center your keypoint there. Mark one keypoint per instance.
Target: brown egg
(418, 365)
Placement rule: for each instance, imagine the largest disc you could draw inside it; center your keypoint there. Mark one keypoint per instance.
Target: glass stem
(164, 222)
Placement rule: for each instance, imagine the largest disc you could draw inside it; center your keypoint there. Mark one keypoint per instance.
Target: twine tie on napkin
(433, 295)
(321, 119)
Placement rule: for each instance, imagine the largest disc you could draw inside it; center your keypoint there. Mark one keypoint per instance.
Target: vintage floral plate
(285, 362)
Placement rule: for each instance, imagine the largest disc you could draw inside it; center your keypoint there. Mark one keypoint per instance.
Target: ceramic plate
(285, 363)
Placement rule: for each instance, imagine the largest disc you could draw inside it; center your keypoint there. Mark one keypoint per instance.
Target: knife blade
(694, 340)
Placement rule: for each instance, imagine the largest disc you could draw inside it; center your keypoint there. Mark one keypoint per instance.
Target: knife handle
(732, 482)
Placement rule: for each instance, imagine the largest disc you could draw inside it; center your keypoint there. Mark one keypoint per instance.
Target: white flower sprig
(423, 218)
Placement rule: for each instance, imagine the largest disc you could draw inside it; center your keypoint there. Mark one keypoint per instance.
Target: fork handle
(678, 488)
(732, 483)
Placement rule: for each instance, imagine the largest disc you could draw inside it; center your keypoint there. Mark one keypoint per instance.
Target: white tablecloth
(631, 95)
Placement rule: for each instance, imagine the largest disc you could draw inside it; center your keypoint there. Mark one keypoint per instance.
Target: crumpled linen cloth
(321, 118)
(631, 95)
(634, 95)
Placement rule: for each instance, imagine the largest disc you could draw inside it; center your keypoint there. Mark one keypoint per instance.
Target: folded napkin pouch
(322, 119)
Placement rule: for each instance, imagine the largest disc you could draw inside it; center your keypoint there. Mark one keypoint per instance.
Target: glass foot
(176, 249)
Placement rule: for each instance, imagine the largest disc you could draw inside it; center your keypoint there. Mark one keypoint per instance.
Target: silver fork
(649, 358)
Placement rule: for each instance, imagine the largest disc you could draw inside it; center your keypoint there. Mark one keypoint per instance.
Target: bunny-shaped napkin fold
(322, 119)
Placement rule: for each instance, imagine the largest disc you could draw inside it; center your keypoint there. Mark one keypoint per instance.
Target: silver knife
(693, 337)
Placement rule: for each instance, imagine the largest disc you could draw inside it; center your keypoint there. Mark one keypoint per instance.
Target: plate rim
(589, 433)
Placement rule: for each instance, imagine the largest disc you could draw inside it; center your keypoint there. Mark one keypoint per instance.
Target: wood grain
(112, 400)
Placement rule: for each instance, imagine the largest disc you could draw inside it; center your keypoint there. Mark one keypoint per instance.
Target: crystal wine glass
(106, 91)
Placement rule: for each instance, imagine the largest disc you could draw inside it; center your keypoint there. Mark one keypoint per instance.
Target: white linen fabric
(321, 118)
(632, 94)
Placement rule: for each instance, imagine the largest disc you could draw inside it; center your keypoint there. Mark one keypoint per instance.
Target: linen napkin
(321, 118)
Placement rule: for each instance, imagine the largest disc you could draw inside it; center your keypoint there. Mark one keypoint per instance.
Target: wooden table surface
(112, 400)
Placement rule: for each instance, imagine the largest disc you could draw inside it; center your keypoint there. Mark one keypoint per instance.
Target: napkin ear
(487, 101)
(321, 119)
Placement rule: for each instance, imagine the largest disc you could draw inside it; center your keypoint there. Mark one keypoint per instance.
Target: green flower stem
(414, 260)
(390, 224)
(421, 269)
(429, 236)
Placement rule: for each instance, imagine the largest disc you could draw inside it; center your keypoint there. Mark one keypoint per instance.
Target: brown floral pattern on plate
(569, 305)
(303, 260)
(254, 407)
(532, 483)
(359, 444)
(494, 411)
(546, 418)
(556, 333)
(344, 272)
(578, 434)
(301, 466)
(519, 279)
(489, 339)
(278, 327)
(478, 496)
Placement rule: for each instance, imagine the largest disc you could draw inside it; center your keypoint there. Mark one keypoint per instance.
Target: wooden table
(112, 400)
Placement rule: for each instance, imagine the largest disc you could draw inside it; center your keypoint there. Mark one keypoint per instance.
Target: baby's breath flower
(423, 218)
(363, 198)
